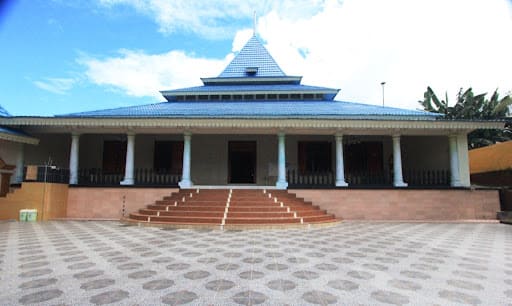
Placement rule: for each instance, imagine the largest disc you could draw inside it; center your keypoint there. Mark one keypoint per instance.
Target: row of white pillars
(281, 183)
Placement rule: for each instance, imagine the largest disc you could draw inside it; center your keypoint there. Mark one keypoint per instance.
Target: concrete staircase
(226, 208)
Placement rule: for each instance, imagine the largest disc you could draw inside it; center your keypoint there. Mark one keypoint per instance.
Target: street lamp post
(382, 83)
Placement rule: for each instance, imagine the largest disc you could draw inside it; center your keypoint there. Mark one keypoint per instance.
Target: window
(314, 157)
(168, 157)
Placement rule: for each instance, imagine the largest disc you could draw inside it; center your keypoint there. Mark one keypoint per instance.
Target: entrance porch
(252, 160)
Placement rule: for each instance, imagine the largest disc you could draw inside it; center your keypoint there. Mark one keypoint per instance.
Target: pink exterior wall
(395, 204)
(107, 203)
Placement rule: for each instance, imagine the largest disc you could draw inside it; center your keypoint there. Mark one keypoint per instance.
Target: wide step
(238, 207)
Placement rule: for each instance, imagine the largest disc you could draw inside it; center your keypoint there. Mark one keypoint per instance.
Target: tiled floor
(76, 263)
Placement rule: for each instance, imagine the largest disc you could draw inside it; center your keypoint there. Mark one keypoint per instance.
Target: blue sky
(61, 56)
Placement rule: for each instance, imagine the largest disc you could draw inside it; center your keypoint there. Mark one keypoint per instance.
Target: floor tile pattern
(101, 263)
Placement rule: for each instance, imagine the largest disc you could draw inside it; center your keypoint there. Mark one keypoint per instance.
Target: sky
(65, 56)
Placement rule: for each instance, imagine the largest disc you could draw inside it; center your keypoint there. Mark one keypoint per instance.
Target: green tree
(474, 107)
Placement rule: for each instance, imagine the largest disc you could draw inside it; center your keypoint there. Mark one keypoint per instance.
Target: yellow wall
(49, 199)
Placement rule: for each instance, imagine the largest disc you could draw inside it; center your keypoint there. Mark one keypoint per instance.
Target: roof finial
(254, 24)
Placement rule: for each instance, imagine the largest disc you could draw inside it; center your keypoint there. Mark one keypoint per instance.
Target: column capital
(187, 133)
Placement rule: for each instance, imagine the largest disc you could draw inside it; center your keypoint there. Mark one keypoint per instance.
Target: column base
(126, 182)
(282, 185)
(185, 184)
(341, 184)
(456, 184)
(400, 184)
(73, 180)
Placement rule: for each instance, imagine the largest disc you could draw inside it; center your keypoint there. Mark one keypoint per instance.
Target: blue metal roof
(3, 112)
(252, 55)
(260, 109)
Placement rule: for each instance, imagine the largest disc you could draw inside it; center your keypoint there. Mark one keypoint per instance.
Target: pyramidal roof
(253, 60)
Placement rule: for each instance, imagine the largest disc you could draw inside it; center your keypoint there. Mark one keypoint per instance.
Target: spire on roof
(252, 61)
(254, 24)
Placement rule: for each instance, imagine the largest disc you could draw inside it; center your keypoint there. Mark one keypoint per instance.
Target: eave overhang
(19, 138)
(249, 123)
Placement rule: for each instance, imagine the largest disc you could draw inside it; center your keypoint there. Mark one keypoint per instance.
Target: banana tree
(474, 107)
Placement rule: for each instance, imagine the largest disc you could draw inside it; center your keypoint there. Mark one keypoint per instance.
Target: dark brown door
(242, 162)
(168, 157)
(114, 157)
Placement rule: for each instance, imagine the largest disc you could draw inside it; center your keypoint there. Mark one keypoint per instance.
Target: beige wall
(393, 204)
(49, 199)
(108, 203)
(348, 204)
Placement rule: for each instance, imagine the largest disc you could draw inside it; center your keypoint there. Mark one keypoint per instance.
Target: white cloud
(56, 85)
(354, 45)
(138, 74)
(212, 18)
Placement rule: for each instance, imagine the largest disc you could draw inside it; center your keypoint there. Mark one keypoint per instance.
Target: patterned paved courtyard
(78, 263)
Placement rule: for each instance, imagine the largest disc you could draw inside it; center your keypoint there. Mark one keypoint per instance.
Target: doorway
(242, 162)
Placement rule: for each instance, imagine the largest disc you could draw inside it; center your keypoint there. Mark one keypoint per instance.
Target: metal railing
(48, 174)
(151, 177)
(427, 177)
(142, 177)
(414, 178)
(297, 179)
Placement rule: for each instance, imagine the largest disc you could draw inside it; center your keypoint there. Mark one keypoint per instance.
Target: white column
(281, 162)
(462, 150)
(340, 167)
(73, 158)
(454, 162)
(130, 159)
(398, 180)
(20, 164)
(185, 176)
